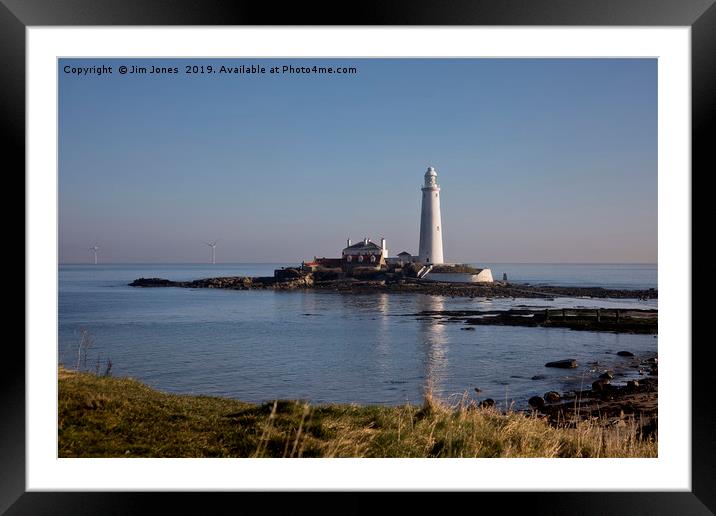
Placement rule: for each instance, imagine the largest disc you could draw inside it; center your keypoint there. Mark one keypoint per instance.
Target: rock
(536, 402)
(539, 377)
(477, 389)
(632, 384)
(600, 385)
(652, 360)
(568, 363)
(551, 396)
(488, 402)
(625, 353)
(606, 375)
(289, 273)
(468, 328)
(152, 282)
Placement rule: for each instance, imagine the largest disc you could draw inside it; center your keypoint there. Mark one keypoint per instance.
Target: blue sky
(539, 160)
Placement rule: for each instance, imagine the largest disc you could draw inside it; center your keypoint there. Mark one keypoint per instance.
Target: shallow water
(320, 346)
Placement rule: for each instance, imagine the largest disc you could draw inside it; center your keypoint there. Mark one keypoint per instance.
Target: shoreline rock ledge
(229, 282)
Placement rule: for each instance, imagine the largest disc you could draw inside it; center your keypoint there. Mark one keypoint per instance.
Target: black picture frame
(17, 15)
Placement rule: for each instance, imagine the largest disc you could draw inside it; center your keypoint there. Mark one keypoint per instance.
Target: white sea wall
(484, 276)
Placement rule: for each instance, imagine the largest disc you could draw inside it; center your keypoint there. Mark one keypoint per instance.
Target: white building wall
(355, 252)
(382, 251)
(484, 276)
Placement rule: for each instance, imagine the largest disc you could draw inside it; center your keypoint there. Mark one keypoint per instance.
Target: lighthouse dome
(431, 172)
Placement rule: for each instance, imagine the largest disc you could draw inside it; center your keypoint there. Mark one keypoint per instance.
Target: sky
(539, 160)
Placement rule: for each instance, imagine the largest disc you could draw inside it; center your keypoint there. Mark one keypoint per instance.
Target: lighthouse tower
(431, 237)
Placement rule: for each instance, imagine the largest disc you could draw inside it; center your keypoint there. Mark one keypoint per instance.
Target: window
(360, 258)
(438, 228)
(349, 258)
(372, 258)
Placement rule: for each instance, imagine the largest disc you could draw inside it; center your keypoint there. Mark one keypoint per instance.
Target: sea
(331, 347)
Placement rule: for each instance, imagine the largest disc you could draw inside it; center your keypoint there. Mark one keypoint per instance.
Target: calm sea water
(608, 275)
(333, 347)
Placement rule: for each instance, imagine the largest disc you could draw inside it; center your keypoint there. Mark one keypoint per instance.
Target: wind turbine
(95, 248)
(213, 250)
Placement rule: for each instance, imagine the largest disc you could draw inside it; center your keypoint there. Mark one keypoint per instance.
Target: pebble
(536, 402)
(600, 385)
(551, 396)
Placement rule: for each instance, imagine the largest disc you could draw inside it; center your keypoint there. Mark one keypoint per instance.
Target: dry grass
(119, 417)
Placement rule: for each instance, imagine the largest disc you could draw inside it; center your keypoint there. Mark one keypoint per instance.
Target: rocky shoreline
(388, 284)
(585, 319)
(604, 403)
(637, 401)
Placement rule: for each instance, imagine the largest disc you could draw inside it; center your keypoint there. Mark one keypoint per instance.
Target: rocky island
(380, 281)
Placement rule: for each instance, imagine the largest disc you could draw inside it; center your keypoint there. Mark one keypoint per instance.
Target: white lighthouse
(431, 237)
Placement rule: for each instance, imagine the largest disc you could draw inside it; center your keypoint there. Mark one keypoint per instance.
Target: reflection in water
(308, 304)
(383, 336)
(432, 342)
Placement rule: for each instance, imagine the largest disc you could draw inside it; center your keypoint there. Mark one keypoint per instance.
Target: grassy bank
(119, 417)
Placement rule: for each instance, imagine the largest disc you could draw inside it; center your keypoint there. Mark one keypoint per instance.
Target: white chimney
(365, 240)
(384, 247)
(349, 242)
